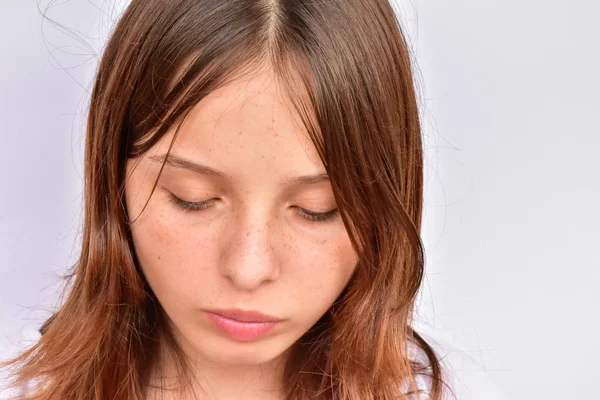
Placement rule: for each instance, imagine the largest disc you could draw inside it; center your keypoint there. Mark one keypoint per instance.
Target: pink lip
(242, 325)
(244, 316)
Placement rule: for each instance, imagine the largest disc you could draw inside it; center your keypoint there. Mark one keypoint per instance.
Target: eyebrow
(176, 161)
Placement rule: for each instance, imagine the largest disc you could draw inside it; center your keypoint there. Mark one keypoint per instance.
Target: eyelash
(304, 213)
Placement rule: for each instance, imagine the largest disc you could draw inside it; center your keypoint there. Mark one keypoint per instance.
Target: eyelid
(190, 206)
(309, 215)
(318, 216)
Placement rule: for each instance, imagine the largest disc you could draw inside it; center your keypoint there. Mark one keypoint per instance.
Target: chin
(231, 353)
(242, 355)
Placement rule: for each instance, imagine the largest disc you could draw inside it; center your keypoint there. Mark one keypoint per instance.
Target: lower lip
(239, 330)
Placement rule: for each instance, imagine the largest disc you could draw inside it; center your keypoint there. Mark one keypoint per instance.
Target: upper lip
(244, 315)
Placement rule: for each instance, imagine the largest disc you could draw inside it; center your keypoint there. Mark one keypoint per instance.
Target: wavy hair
(351, 63)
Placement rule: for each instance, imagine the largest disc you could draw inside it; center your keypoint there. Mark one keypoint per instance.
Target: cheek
(175, 258)
(318, 271)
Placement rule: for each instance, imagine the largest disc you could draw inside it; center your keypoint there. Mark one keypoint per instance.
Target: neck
(200, 379)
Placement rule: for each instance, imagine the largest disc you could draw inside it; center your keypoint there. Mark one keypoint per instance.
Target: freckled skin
(251, 249)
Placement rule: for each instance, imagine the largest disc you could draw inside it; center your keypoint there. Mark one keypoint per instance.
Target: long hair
(347, 68)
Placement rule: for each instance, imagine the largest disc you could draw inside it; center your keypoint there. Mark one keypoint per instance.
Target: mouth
(245, 316)
(242, 326)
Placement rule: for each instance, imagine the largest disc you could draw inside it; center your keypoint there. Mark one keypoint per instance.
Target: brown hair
(350, 59)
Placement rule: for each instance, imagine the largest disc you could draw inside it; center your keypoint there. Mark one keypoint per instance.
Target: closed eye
(317, 216)
(309, 215)
(190, 206)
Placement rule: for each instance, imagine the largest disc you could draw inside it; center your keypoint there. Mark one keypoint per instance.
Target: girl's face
(241, 218)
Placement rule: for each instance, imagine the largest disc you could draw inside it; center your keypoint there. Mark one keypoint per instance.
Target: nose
(248, 259)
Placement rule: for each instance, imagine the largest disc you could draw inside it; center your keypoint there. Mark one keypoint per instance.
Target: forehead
(244, 124)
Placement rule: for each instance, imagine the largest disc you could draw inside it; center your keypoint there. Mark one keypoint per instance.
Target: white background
(510, 97)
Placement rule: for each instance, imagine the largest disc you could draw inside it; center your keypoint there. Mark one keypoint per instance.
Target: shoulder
(9, 348)
(423, 379)
(470, 378)
(464, 378)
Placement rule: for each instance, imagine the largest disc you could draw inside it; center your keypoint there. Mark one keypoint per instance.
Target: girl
(253, 198)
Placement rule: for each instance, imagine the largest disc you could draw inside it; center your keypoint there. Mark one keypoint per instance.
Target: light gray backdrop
(510, 97)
